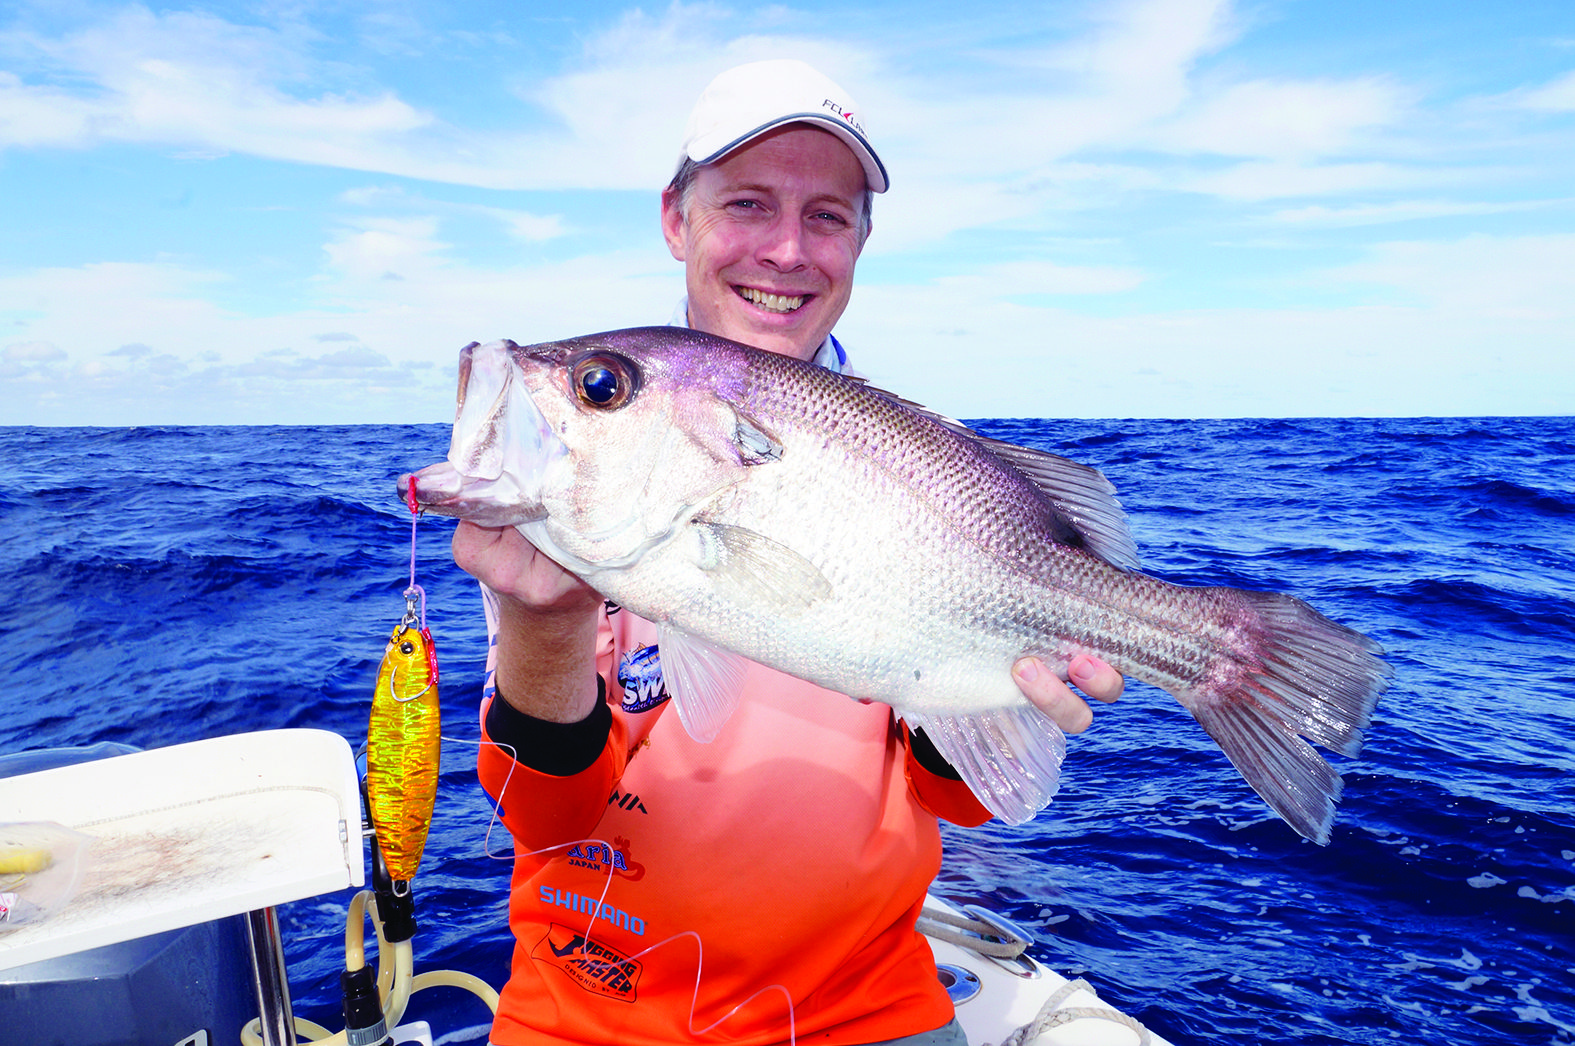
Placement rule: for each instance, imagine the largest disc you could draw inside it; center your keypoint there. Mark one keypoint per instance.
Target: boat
(164, 932)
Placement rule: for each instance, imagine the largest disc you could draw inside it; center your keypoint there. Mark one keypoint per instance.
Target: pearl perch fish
(756, 506)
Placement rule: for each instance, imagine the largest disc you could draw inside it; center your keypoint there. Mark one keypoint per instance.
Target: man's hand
(1045, 689)
(547, 620)
(501, 559)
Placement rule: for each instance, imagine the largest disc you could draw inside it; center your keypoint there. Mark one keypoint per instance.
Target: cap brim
(874, 170)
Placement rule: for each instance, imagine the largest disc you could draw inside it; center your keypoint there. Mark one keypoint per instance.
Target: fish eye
(407, 647)
(604, 381)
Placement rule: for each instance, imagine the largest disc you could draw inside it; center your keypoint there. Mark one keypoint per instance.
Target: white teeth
(771, 302)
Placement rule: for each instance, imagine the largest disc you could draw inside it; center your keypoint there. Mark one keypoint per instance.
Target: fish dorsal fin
(704, 681)
(1084, 500)
(753, 570)
(1010, 757)
(1082, 496)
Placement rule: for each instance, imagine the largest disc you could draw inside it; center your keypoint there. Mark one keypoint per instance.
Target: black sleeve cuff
(559, 749)
(929, 756)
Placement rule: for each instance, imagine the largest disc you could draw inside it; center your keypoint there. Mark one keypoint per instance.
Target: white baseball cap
(748, 100)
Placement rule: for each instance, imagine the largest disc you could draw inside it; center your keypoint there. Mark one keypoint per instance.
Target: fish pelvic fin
(1009, 757)
(705, 681)
(1312, 680)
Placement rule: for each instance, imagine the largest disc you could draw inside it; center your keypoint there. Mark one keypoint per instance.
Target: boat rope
(965, 931)
(992, 940)
(1051, 1017)
(396, 979)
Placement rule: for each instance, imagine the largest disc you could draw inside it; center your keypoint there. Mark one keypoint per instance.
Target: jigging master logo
(592, 965)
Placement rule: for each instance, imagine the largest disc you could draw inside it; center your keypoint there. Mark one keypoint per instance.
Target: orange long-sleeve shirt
(682, 892)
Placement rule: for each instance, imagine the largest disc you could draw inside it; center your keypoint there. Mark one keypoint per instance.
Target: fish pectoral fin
(753, 570)
(1010, 757)
(704, 681)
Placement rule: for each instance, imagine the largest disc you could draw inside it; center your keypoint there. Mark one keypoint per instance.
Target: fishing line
(592, 964)
(414, 589)
(589, 962)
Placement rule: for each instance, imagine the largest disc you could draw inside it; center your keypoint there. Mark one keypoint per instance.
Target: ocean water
(169, 584)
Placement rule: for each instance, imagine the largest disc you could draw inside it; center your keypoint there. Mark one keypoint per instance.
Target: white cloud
(1273, 180)
(1320, 215)
(1013, 279)
(206, 86)
(1019, 361)
(1284, 119)
(1558, 95)
(193, 80)
(1490, 278)
(1143, 51)
(32, 116)
(525, 226)
(365, 348)
(1057, 148)
(32, 352)
(1477, 326)
(530, 228)
(383, 249)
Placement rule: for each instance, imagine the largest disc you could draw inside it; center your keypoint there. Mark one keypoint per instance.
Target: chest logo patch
(592, 965)
(640, 675)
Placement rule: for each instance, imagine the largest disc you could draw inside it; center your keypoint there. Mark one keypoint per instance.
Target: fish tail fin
(1306, 678)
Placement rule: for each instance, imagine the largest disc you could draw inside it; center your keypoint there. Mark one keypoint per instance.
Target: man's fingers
(1095, 678)
(1053, 697)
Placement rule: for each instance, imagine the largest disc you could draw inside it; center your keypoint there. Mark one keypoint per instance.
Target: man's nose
(783, 246)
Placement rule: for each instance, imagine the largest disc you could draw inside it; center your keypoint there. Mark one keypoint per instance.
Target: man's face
(769, 238)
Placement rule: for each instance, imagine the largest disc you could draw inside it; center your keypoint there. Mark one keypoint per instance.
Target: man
(764, 886)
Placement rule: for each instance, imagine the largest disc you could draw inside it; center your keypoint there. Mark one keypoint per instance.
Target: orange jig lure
(402, 747)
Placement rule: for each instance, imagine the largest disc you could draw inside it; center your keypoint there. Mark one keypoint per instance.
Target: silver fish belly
(767, 507)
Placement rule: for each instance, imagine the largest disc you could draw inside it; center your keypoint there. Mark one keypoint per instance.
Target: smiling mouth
(771, 302)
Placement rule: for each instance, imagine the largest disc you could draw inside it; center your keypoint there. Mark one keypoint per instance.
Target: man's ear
(673, 223)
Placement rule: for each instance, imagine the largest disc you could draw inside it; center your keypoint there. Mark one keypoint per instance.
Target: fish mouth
(444, 490)
(499, 451)
(780, 303)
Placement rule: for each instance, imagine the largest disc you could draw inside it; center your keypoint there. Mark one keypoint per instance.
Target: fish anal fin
(1010, 757)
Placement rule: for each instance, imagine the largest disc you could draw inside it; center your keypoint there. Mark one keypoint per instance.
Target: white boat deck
(189, 833)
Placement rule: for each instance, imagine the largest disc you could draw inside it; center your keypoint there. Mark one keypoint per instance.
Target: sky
(299, 212)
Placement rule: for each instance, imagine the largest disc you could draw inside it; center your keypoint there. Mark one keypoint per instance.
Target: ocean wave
(175, 583)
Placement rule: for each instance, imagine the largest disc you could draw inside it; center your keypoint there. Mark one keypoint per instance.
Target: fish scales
(958, 524)
(926, 552)
(828, 529)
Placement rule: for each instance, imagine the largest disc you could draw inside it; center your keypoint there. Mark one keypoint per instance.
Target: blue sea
(169, 584)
